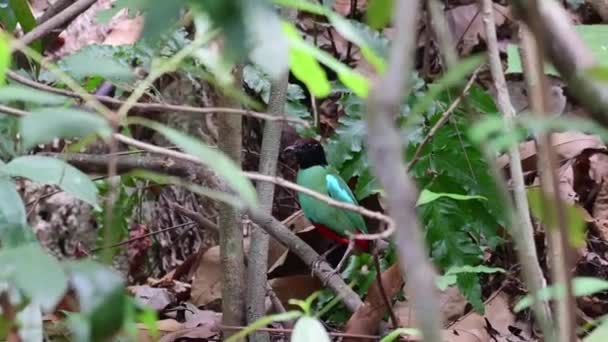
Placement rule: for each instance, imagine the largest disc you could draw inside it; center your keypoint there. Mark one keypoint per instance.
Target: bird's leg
(322, 258)
(347, 254)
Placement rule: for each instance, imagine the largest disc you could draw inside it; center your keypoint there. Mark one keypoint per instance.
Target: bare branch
(156, 107)
(386, 158)
(523, 230)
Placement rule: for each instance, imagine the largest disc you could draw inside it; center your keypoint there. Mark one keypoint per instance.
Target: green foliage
(15, 92)
(378, 15)
(33, 272)
(5, 58)
(24, 16)
(600, 334)
(594, 36)
(78, 65)
(214, 159)
(45, 124)
(13, 222)
(427, 196)
(9, 127)
(127, 197)
(53, 171)
(393, 335)
(581, 286)
(542, 208)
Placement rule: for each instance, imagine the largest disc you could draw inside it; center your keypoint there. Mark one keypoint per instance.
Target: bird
(335, 224)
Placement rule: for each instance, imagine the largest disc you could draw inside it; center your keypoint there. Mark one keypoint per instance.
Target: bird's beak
(289, 152)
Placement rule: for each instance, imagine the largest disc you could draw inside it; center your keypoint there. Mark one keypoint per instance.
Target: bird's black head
(308, 152)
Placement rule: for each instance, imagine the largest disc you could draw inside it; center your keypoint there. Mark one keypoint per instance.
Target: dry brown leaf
(451, 302)
(164, 327)
(156, 298)
(199, 324)
(465, 21)
(125, 32)
(567, 145)
(294, 287)
(369, 315)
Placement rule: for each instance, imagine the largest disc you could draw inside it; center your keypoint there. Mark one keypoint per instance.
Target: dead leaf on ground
(199, 324)
(465, 22)
(292, 287)
(367, 318)
(451, 302)
(156, 298)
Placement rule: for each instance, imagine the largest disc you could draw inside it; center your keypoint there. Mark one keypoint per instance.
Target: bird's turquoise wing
(339, 190)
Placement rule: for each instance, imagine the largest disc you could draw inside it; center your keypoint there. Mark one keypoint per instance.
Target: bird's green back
(324, 180)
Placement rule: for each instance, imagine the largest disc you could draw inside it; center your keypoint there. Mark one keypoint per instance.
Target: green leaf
(469, 286)
(581, 286)
(453, 77)
(5, 58)
(393, 335)
(12, 211)
(53, 171)
(24, 15)
(594, 36)
(576, 218)
(379, 13)
(100, 295)
(350, 78)
(16, 92)
(600, 334)
(427, 196)
(351, 33)
(38, 275)
(264, 321)
(450, 276)
(598, 72)
(309, 329)
(45, 124)
(308, 70)
(214, 159)
(214, 194)
(106, 65)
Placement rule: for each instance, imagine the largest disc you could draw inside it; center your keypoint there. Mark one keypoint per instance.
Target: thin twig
(387, 301)
(156, 107)
(442, 120)
(61, 18)
(524, 234)
(128, 241)
(386, 157)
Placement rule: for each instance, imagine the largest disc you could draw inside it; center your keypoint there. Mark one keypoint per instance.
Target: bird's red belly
(331, 235)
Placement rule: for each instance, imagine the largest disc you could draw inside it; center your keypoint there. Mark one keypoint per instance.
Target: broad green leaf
(45, 124)
(106, 65)
(308, 70)
(264, 321)
(309, 329)
(160, 17)
(598, 72)
(214, 159)
(350, 78)
(393, 335)
(164, 179)
(24, 15)
(306, 6)
(16, 92)
(5, 57)
(581, 286)
(450, 276)
(38, 275)
(12, 211)
(100, 295)
(576, 219)
(600, 334)
(379, 13)
(53, 171)
(351, 33)
(427, 196)
(594, 36)
(453, 77)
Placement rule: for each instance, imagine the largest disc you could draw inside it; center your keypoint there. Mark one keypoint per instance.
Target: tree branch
(61, 18)
(523, 230)
(155, 107)
(569, 54)
(386, 158)
(260, 241)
